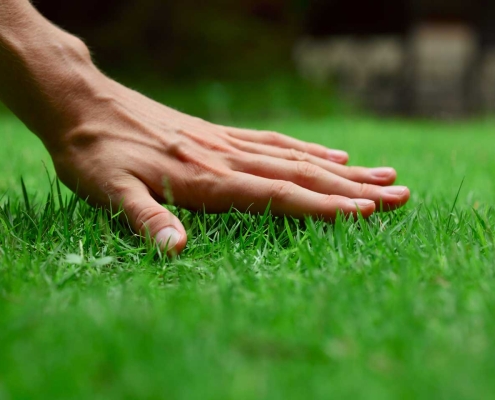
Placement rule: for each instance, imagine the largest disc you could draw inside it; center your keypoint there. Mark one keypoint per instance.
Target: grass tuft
(396, 306)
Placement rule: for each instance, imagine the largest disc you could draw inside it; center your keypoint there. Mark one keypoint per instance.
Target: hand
(127, 150)
(115, 147)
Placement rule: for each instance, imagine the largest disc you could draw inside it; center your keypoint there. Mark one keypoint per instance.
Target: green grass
(257, 307)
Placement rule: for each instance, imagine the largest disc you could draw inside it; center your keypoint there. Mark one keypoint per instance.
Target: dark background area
(228, 61)
(186, 39)
(220, 39)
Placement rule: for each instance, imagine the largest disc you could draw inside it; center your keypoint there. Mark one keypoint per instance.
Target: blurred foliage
(190, 39)
(219, 60)
(237, 101)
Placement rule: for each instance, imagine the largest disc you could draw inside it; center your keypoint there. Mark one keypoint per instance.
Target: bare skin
(118, 148)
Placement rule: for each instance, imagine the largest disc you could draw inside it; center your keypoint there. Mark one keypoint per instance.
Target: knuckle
(338, 204)
(234, 160)
(364, 189)
(239, 145)
(146, 216)
(297, 155)
(334, 202)
(281, 190)
(177, 148)
(273, 137)
(306, 170)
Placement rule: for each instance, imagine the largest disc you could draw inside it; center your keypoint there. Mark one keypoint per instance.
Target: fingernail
(394, 190)
(168, 237)
(337, 155)
(361, 202)
(382, 172)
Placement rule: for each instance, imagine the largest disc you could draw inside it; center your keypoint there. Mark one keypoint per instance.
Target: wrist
(45, 74)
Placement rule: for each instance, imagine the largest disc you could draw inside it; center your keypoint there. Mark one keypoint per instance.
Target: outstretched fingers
(254, 193)
(377, 176)
(286, 142)
(316, 179)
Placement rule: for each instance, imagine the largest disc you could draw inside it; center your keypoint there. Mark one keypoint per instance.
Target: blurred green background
(223, 60)
(220, 60)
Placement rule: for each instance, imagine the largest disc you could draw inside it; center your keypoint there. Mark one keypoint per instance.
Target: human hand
(115, 147)
(128, 151)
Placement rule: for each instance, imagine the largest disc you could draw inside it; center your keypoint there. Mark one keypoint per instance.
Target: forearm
(44, 71)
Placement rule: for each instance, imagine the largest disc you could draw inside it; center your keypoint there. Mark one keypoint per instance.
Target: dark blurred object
(361, 18)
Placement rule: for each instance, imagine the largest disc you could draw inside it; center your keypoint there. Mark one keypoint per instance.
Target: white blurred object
(360, 67)
(443, 57)
(439, 70)
(360, 59)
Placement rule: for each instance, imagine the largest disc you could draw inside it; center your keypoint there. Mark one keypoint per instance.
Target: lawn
(258, 307)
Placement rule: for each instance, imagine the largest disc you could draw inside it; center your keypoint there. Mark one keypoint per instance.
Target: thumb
(152, 220)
